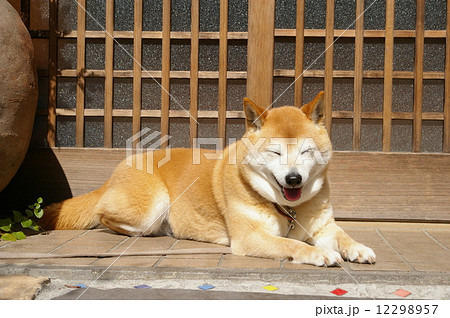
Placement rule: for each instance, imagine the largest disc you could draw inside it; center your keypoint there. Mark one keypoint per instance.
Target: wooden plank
(299, 52)
(49, 173)
(195, 28)
(364, 186)
(446, 141)
(109, 80)
(388, 68)
(418, 76)
(357, 82)
(223, 67)
(137, 69)
(81, 61)
(328, 76)
(165, 70)
(391, 186)
(260, 50)
(52, 67)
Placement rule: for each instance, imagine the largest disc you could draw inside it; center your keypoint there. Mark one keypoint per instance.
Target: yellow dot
(270, 288)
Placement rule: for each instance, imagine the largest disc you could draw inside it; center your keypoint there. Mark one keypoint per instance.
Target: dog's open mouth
(290, 194)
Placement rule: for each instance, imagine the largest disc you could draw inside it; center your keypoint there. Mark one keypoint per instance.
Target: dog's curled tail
(77, 213)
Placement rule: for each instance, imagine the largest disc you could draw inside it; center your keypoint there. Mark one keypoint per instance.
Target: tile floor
(401, 247)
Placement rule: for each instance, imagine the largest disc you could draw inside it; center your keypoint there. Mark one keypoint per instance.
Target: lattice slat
(195, 28)
(357, 83)
(299, 53)
(81, 65)
(223, 66)
(418, 75)
(433, 116)
(328, 76)
(262, 72)
(446, 141)
(109, 80)
(388, 70)
(52, 67)
(165, 70)
(137, 68)
(184, 35)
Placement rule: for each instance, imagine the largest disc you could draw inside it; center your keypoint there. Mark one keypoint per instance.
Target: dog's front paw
(359, 253)
(319, 256)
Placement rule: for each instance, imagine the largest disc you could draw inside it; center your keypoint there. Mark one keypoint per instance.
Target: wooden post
(260, 50)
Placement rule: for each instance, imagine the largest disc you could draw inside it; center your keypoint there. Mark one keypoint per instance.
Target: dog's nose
(293, 179)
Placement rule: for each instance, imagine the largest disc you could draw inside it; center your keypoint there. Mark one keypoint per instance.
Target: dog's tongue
(292, 194)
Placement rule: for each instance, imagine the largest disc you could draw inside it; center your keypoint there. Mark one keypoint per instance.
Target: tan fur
(227, 201)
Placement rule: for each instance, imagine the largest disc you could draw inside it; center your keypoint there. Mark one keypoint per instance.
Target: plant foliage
(11, 229)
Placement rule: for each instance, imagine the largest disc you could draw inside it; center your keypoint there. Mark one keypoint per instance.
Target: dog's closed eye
(276, 152)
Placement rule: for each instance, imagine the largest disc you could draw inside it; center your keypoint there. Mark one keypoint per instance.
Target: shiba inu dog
(267, 195)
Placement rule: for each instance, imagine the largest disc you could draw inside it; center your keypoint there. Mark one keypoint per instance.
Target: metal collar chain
(289, 213)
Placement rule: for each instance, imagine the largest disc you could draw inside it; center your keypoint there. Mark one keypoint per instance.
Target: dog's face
(287, 151)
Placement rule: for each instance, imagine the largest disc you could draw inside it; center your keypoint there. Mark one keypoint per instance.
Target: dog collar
(286, 211)
(289, 213)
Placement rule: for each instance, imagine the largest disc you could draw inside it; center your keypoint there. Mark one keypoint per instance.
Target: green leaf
(31, 206)
(39, 213)
(34, 226)
(5, 228)
(26, 223)
(5, 221)
(8, 237)
(29, 213)
(5, 224)
(39, 200)
(37, 206)
(18, 217)
(19, 235)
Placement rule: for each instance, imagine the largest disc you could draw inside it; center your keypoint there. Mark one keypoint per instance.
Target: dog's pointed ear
(255, 116)
(314, 109)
